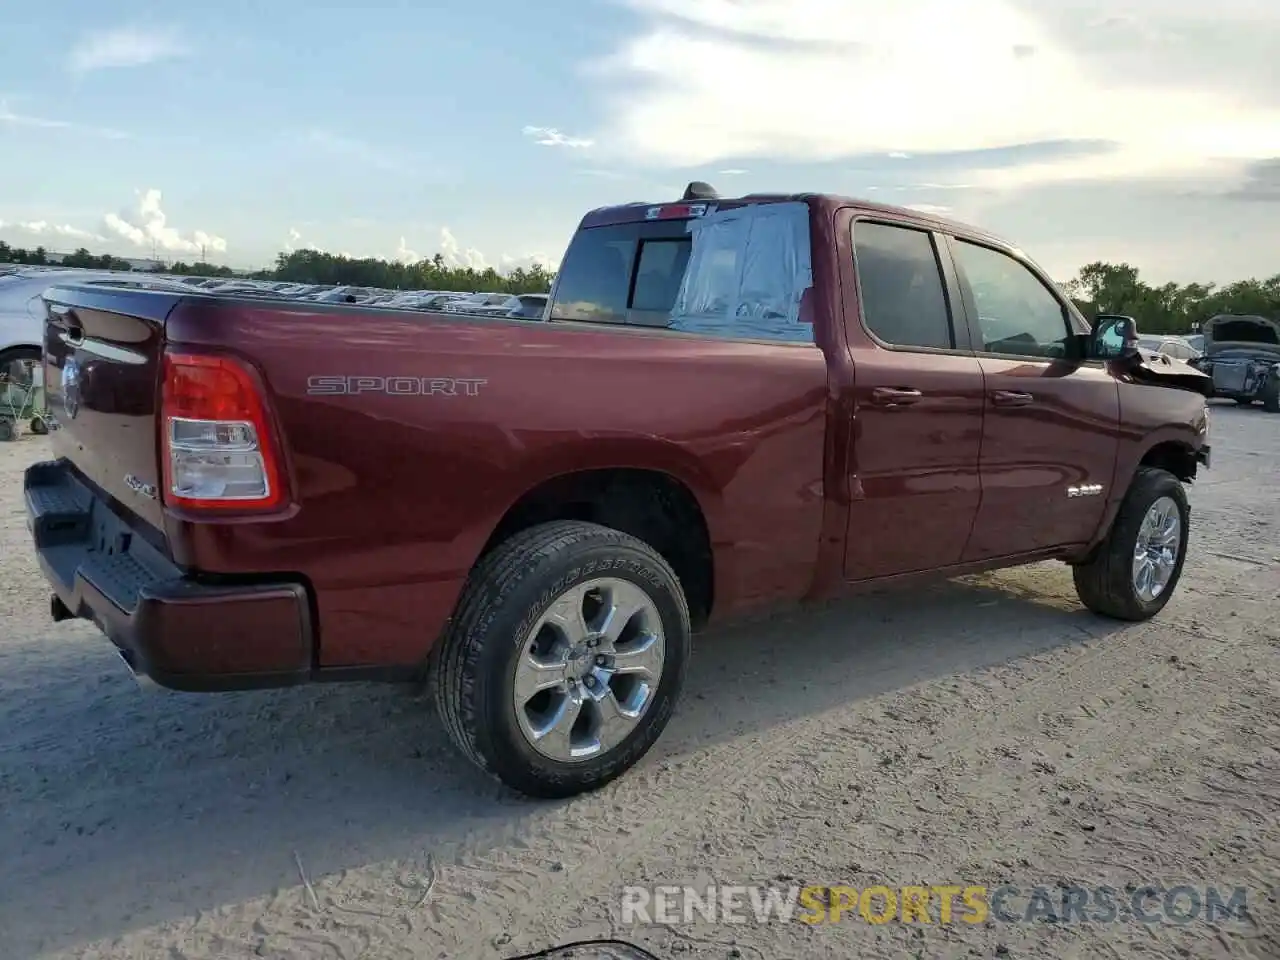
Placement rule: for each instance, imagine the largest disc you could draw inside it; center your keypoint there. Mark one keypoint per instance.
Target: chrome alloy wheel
(589, 669)
(1155, 555)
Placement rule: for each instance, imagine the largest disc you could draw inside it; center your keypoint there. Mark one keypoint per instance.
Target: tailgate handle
(74, 333)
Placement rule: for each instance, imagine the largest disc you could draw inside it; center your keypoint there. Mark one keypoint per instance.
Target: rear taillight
(216, 439)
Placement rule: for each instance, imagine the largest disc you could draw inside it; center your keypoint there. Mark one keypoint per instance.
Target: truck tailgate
(103, 358)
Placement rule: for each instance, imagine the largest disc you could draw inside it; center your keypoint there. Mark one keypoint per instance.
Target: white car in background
(529, 306)
(22, 310)
(481, 303)
(1176, 347)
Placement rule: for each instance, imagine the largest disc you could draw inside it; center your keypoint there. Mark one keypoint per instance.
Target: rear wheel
(1133, 573)
(565, 660)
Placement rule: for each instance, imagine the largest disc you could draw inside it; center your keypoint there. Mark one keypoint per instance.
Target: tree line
(1097, 288)
(1170, 307)
(312, 266)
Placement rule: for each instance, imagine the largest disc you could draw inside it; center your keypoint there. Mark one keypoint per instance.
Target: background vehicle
(255, 492)
(1242, 355)
(22, 312)
(529, 306)
(1176, 347)
(478, 303)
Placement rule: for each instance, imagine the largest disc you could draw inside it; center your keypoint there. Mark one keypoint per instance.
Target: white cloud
(378, 156)
(731, 172)
(42, 228)
(933, 209)
(405, 255)
(721, 79)
(295, 242)
(455, 256)
(125, 47)
(551, 137)
(450, 249)
(605, 174)
(508, 263)
(10, 119)
(146, 226)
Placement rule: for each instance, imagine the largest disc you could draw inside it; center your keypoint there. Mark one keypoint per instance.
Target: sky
(1145, 131)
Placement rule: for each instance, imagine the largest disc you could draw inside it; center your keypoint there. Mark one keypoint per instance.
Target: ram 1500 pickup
(731, 404)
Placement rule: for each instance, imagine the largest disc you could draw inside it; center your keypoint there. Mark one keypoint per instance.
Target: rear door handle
(895, 396)
(1010, 398)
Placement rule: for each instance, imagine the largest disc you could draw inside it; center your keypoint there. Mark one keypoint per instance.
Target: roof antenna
(698, 190)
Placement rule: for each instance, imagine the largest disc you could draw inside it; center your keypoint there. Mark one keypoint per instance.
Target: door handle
(895, 396)
(1010, 398)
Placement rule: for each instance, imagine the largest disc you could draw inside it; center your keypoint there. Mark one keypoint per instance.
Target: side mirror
(1114, 337)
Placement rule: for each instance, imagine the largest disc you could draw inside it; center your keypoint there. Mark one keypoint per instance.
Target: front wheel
(1271, 393)
(1133, 573)
(565, 660)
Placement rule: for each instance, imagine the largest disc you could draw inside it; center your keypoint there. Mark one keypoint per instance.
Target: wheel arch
(654, 505)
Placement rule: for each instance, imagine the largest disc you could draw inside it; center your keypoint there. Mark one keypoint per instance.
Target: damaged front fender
(1146, 366)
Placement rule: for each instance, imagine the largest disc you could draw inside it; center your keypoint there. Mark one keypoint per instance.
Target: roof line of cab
(637, 211)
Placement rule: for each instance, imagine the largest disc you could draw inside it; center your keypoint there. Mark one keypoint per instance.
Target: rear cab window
(736, 273)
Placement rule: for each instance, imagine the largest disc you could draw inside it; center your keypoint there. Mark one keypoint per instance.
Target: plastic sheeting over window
(747, 271)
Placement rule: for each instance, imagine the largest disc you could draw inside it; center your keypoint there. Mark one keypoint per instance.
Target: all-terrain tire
(1104, 583)
(472, 669)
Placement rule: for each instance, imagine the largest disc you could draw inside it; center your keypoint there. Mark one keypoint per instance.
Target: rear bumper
(180, 633)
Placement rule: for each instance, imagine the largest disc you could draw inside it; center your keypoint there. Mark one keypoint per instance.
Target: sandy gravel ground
(985, 731)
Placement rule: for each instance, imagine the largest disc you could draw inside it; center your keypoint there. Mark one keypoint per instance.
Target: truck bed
(407, 436)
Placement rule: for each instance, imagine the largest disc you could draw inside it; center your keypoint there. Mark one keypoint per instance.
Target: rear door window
(904, 303)
(736, 273)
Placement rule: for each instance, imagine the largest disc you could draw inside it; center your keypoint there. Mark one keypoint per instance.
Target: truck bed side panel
(444, 423)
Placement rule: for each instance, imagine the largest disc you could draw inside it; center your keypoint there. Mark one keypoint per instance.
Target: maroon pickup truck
(731, 404)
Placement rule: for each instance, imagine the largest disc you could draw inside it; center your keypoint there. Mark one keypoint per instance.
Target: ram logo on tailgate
(71, 388)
